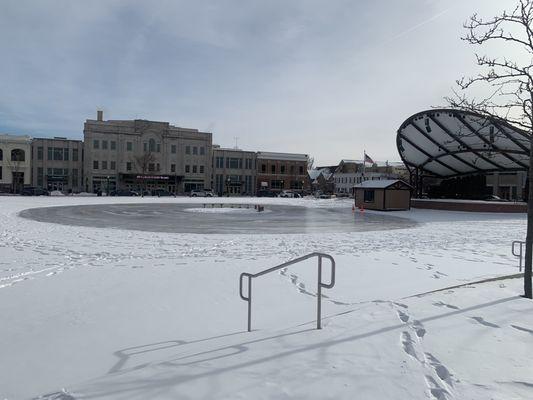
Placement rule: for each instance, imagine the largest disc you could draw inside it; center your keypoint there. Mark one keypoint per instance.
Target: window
(234, 163)
(65, 172)
(145, 147)
(113, 165)
(187, 169)
(195, 150)
(276, 184)
(18, 155)
(40, 177)
(0, 172)
(158, 147)
(273, 169)
(173, 149)
(369, 196)
(49, 171)
(301, 170)
(58, 154)
(220, 162)
(104, 164)
(129, 146)
(65, 154)
(187, 149)
(194, 169)
(202, 151)
(95, 164)
(74, 177)
(96, 144)
(1, 156)
(104, 144)
(292, 169)
(58, 171)
(74, 154)
(151, 167)
(113, 145)
(263, 168)
(128, 166)
(172, 167)
(50, 153)
(201, 169)
(39, 153)
(282, 169)
(158, 167)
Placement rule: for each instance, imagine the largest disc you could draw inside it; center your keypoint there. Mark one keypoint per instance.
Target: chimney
(99, 115)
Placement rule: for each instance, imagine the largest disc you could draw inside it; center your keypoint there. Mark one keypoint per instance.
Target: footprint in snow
(520, 328)
(403, 316)
(408, 345)
(441, 371)
(442, 304)
(485, 323)
(419, 329)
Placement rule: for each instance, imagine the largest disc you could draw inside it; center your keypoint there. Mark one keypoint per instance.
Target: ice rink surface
(113, 313)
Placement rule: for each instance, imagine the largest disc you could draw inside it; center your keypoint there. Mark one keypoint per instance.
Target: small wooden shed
(385, 195)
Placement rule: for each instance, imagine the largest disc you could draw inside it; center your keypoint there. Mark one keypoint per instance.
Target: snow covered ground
(101, 313)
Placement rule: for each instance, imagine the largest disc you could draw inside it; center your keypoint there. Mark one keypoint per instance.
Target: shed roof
(381, 184)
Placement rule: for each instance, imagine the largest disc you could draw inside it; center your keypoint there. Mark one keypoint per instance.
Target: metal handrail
(320, 284)
(520, 253)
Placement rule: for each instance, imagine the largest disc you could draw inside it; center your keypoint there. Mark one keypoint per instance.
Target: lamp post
(228, 181)
(107, 188)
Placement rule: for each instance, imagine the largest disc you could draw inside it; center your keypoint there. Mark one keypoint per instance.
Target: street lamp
(107, 189)
(228, 181)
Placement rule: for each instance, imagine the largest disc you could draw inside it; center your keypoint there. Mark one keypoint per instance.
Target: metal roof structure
(450, 143)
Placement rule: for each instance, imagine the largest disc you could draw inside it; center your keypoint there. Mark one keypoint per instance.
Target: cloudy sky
(329, 78)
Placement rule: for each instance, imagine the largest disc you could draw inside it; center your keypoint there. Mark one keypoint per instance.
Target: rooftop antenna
(236, 142)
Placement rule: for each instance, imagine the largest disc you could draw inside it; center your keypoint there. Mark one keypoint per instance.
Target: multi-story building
(234, 171)
(352, 172)
(507, 185)
(145, 155)
(57, 164)
(15, 162)
(279, 171)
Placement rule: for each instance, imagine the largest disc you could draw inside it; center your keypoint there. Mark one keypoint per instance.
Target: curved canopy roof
(448, 142)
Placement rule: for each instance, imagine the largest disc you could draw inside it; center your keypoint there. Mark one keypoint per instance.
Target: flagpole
(364, 165)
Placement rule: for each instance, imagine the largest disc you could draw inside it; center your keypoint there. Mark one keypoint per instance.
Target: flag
(368, 159)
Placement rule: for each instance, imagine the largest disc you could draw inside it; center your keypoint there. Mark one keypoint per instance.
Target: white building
(15, 162)
(351, 172)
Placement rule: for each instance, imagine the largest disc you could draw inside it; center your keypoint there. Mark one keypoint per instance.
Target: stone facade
(282, 171)
(234, 172)
(57, 164)
(15, 163)
(145, 155)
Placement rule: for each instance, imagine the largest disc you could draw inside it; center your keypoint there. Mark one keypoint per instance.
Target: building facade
(352, 172)
(145, 155)
(282, 171)
(57, 164)
(15, 163)
(234, 172)
(508, 185)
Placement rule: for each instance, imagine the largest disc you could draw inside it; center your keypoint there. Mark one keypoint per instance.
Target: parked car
(266, 193)
(123, 193)
(493, 197)
(202, 193)
(34, 191)
(289, 194)
(162, 193)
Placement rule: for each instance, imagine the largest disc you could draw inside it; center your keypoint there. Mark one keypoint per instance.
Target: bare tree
(511, 87)
(310, 162)
(142, 164)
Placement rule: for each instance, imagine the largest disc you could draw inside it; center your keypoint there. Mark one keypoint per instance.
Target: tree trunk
(529, 235)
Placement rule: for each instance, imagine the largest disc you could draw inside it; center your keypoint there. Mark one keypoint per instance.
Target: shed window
(369, 196)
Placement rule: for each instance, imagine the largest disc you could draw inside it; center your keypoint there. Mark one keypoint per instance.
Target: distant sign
(264, 184)
(154, 177)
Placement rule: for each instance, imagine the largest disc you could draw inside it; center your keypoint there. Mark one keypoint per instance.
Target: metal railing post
(319, 294)
(520, 252)
(249, 304)
(320, 284)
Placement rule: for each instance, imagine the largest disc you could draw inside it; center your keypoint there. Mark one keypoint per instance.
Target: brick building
(282, 171)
